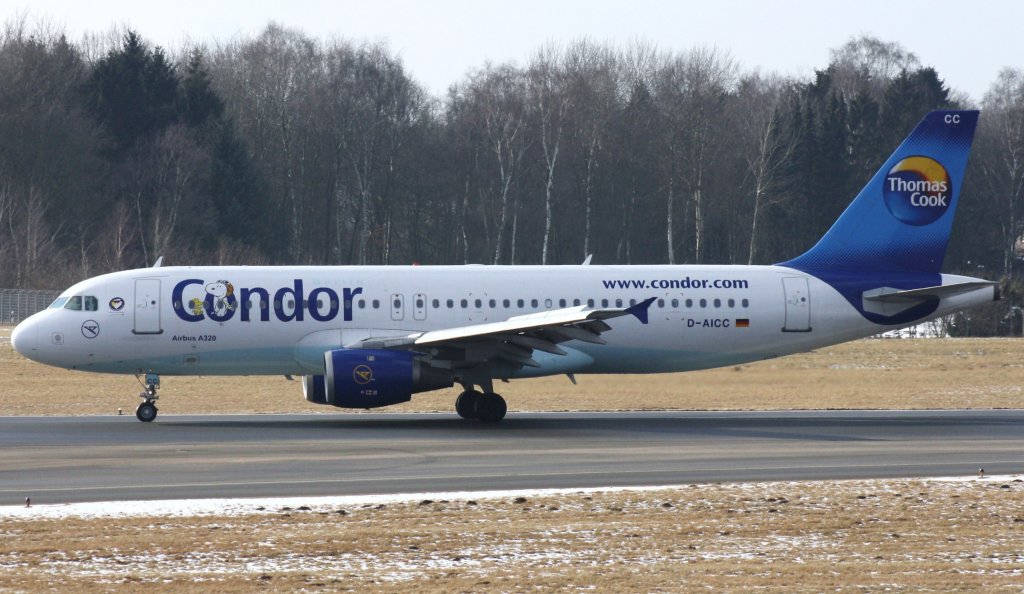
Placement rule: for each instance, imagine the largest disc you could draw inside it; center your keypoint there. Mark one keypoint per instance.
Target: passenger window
(376, 304)
(703, 302)
(493, 303)
(618, 303)
(397, 304)
(450, 303)
(519, 303)
(718, 303)
(74, 304)
(576, 302)
(547, 303)
(604, 303)
(661, 303)
(477, 303)
(419, 304)
(675, 303)
(632, 302)
(534, 303)
(745, 303)
(732, 303)
(464, 303)
(436, 304)
(689, 303)
(506, 303)
(590, 303)
(362, 304)
(561, 303)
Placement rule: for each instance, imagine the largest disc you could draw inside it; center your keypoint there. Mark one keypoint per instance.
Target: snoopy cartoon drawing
(223, 294)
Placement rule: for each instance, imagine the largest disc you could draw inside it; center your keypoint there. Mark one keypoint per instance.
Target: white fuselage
(281, 320)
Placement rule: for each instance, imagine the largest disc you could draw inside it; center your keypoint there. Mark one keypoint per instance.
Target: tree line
(285, 149)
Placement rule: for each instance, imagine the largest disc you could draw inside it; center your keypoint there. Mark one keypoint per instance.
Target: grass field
(865, 374)
(846, 536)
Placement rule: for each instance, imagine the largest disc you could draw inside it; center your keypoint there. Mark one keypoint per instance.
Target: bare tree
(593, 85)
(267, 83)
(375, 106)
(868, 64)
(692, 88)
(767, 145)
(498, 97)
(549, 100)
(1001, 147)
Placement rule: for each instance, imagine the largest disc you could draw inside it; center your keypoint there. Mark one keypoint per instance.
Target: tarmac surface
(72, 459)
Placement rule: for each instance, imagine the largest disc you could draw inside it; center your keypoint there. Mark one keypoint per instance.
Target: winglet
(640, 309)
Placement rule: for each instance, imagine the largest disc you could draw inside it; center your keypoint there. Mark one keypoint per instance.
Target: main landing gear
(147, 410)
(486, 407)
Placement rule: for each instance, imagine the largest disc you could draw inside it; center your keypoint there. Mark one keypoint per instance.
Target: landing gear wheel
(466, 404)
(491, 408)
(146, 412)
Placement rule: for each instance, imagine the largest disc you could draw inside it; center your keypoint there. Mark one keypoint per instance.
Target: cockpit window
(58, 303)
(74, 303)
(77, 303)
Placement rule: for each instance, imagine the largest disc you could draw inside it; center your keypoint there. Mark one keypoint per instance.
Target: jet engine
(364, 378)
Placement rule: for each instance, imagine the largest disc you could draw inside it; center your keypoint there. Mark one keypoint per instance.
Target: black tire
(492, 408)
(146, 412)
(466, 404)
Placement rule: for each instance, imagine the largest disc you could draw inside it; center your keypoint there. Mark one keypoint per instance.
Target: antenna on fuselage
(159, 262)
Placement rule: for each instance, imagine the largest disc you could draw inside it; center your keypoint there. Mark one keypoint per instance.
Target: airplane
(372, 336)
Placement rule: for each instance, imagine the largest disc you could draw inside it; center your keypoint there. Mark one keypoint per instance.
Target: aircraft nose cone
(25, 338)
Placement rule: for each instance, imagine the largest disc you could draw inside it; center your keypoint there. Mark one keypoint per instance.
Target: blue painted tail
(900, 222)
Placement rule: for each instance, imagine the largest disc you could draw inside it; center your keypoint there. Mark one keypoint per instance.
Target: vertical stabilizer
(900, 222)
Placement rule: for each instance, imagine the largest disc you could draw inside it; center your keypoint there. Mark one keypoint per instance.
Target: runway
(71, 459)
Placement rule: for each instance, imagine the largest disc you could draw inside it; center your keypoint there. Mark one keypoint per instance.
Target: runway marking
(990, 463)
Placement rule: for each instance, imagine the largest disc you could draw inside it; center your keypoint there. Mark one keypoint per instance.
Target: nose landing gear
(147, 410)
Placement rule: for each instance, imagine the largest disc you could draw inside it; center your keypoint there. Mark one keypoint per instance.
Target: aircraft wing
(513, 340)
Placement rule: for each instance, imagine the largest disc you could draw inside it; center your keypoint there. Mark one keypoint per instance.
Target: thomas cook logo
(917, 190)
(362, 374)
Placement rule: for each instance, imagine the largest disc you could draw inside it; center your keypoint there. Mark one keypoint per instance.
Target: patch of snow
(239, 507)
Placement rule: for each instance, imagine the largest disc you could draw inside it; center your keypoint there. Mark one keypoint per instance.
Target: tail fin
(900, 221)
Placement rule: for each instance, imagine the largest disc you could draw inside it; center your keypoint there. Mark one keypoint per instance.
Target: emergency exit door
(798, 304)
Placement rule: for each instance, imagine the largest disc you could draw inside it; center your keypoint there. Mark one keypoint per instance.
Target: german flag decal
(743, 323)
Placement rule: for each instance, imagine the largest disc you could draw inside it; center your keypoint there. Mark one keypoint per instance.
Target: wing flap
(587, 321)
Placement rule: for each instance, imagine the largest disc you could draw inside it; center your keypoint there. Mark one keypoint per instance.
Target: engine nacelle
(313, 388)
(364, 378)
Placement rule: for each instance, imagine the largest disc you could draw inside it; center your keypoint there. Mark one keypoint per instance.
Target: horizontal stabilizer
(888, 295)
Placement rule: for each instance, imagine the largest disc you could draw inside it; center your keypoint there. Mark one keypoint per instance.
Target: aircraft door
(798, 304)
(147, 306)
(419, 306)
(397, 307)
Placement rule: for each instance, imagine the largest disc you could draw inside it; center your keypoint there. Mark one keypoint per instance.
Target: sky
(439, 41)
